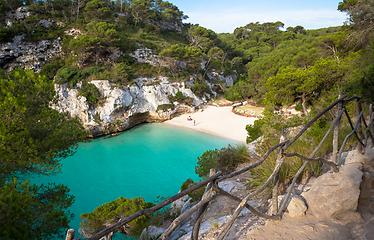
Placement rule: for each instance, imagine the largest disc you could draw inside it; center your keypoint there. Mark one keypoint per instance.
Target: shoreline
(218, 121)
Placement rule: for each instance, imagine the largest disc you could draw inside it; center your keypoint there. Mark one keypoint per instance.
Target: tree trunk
(78, 1)
(303, 103)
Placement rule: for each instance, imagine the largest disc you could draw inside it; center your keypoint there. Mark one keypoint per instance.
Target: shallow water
(149, 160)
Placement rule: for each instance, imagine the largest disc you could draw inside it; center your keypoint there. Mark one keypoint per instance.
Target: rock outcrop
(333, 194)
(124, 107)
(27, 54)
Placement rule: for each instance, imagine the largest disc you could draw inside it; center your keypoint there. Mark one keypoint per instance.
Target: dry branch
(249, 207)
(151, 210)
(186, 214)
(333, 165)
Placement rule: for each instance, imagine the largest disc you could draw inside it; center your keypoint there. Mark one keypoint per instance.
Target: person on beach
(194, 122)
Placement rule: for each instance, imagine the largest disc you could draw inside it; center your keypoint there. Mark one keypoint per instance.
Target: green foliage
(225, 159)
(50, 69)
(361, 19)
(91, 93)
(294, 83)
(72, 76)
(68, 75)
(165, 107)
(240, 90)
(39, 33)
(254, 130)
(34, 212)
(200, 89)
(126, 59)
(177, 53)
(96, 10)
(6, 34)
(201, 38)
(164, 214)
(33, 140)
(179, 97)
(121, 73)
(112, 212)
(33, 136)
(195, 195)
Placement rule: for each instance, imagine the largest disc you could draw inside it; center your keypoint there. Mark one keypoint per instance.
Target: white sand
(219, 121)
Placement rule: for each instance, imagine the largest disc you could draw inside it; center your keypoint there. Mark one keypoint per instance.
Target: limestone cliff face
(27, 54)
(124, 107)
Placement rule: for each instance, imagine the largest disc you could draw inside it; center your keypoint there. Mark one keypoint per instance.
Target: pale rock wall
(27, 54)
(229, 80)
(123, 107)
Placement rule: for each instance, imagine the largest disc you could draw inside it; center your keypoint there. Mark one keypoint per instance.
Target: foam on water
(149, 160)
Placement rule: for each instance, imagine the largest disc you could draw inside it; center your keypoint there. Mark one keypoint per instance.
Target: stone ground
(349, 225)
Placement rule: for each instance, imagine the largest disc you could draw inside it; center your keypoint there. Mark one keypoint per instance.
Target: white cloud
(228, 21)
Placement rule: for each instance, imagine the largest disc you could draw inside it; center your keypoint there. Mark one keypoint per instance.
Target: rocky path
(346, 224)
(349, 214)
(333, 206)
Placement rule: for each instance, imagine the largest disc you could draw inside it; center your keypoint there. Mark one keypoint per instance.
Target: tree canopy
(33, 140)
(112, 212)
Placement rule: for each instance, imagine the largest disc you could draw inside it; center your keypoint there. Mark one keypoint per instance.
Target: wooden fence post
(359, 129)
(371, 126)
(70, 234)
(276, 183)
(335, 143)
(202, 210)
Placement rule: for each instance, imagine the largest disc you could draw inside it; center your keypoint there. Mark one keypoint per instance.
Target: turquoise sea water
(149, 160)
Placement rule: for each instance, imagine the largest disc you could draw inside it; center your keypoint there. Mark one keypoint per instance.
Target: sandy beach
(219, 121)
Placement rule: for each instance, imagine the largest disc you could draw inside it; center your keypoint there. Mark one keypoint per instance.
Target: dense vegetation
(33, 140)
(273, 66)
(110, 213)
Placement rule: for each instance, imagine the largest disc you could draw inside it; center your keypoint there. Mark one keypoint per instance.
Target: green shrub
(206, 161)
(93, 71)
(200, 88)
(164, 214)
(225, 159)
(179, 97)
(165, 107)
(112, 212)
(72, 76)
(51, 67)
(126, 59)
(68, 75)
(91, 93)
(195, 195)
(6, 35)
(254, 130)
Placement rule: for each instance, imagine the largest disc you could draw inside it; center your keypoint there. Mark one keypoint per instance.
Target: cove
(148, 160)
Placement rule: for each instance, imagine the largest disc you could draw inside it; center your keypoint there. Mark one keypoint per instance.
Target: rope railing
(215, 177)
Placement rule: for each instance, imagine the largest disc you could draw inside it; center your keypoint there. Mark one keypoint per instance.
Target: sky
(224, 16)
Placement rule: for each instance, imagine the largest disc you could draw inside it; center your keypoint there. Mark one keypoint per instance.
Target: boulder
(296, 205)
(177, 206)
(333, 194)
(151, 232)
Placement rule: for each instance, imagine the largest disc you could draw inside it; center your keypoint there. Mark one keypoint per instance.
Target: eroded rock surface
(335, 193)
(124, 107)
(27, 54)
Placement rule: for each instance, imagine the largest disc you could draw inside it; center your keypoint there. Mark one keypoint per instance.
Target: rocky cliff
(27, 54)
(120, 107)
(124, 107)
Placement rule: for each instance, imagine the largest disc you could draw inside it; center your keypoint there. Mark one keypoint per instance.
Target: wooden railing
(277, 210)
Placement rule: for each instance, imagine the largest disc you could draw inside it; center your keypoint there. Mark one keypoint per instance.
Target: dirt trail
(350, 225)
